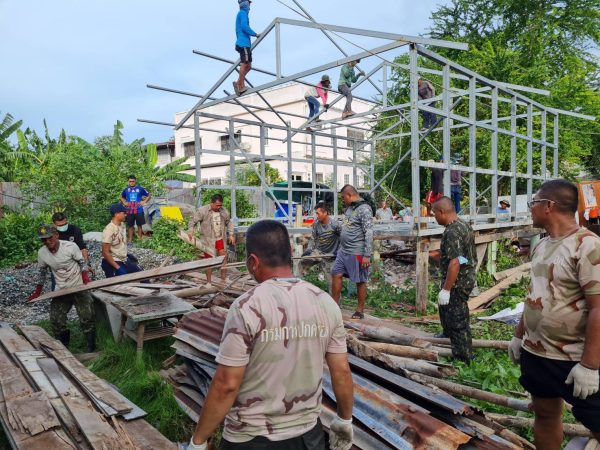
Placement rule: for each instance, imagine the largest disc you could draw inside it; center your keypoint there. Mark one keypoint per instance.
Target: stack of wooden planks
(50, 401)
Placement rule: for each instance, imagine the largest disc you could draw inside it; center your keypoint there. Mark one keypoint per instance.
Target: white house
(288, 98)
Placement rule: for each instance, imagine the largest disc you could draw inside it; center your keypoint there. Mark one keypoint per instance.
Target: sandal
(358, 315)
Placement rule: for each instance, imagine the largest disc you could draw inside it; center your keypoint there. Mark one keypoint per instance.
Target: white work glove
(340, 434)
(443, 297)
(193, 446)
(585, 381)
(592, 444)
(514, 349)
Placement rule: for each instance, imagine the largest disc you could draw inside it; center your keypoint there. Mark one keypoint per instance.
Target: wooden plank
(31, 413)
(499, 276)
(28, 361)
(141, 309)
(12, 342)
(137, 276)
(487, 296)
(146, 437)
(40, 339)
(90, 382)
(128, 290)
(99, 434)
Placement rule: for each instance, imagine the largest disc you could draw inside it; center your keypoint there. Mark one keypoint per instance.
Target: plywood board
(31, 414)
(146, 437)
(12, 342)
(40, 339)
(140, 309)
(137, 276)
(128, 290)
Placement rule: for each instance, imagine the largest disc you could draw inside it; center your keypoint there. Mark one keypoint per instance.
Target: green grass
(137, 379)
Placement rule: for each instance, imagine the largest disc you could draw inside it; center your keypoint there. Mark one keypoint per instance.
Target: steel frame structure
(494, 110)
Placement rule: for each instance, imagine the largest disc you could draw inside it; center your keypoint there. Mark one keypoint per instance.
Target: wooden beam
(499, 276)
(137, 276)
(491, 294)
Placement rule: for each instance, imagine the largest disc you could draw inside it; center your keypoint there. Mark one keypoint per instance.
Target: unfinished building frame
(495, 110)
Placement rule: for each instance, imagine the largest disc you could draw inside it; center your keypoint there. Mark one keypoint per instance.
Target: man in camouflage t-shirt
(560, 327)
(268, 384)
(458, 260)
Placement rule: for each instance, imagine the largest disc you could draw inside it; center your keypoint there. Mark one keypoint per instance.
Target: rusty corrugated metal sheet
(399, 422)
(204, 324)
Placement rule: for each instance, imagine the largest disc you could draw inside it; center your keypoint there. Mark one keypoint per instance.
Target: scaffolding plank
(137, 276)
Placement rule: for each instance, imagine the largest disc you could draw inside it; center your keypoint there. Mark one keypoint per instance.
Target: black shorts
(137, 218)
(245, 54)
(313, 439)
(545, 378)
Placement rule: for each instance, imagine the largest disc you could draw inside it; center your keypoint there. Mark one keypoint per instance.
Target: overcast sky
(84, 64)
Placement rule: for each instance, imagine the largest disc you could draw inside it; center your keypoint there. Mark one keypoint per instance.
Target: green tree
(10, 157)
(247, 176)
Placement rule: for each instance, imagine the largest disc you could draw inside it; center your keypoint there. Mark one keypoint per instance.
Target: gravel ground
(16, 284)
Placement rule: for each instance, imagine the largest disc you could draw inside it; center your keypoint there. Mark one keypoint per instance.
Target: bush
(18, 237)
(164, 240)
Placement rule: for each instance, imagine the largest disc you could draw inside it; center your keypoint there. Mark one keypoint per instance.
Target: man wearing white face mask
(71, 233)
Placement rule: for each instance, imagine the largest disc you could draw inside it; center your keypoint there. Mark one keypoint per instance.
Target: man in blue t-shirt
(134, 198)
(243, 46)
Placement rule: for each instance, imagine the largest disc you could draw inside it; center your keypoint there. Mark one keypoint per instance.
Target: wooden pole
(424, 367)
(477, 343)
(384, 334)
(403, 350)
(570, 429)
(459, 389)
(422, 269)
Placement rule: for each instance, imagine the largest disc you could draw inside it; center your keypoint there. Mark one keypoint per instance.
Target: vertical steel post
(278, 49)
(529, 151)
(232, 178)
(543, 138)
(513, 156)
(414, 136)
(372, 168)
(494, 202)
(385, 85)
(335, 171)
(354, 162)
(473, 148)
(446, 127)
(263, 185)
(555, 163)
(289, 176)
(197, 160)
(313, 147)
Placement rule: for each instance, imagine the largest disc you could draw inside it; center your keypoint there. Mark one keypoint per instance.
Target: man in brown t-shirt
(557, 341)
(268, 384)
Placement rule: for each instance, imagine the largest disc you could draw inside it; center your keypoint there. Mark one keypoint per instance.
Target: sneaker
(236, 88)
(440, 335)
(347, 114)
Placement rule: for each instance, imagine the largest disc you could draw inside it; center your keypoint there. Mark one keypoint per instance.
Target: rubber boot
(91, 341)
(64, 337)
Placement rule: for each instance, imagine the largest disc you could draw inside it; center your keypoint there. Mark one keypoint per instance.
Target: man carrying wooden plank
(67, 264)
(458, 259)
(325, 240)
(268, 382)
(215, 227)
(559, 331)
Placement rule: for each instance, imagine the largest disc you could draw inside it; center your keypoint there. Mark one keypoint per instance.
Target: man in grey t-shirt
(325, 240)
(356, 245)
(384, 213)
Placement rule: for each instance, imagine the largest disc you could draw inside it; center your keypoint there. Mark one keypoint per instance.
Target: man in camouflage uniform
(458, 260)
(268, 382)
(557, 341)
(325, 240)
(356, 245)
(67, 264)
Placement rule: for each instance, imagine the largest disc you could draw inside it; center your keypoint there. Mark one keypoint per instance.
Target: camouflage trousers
(455, 322)
(60, 307)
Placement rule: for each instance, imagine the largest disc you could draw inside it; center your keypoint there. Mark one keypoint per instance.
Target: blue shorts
(350, 267)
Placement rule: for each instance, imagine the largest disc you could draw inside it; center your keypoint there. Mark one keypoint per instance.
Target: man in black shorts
(134, 198)
(558, 339)
(243, 44)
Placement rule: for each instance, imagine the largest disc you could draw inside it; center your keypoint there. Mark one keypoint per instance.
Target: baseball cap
(46, 231)
(325, 78)
(117, 208)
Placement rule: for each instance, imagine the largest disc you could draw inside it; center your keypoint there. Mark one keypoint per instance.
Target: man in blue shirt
(243, 45)
(134, 198)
